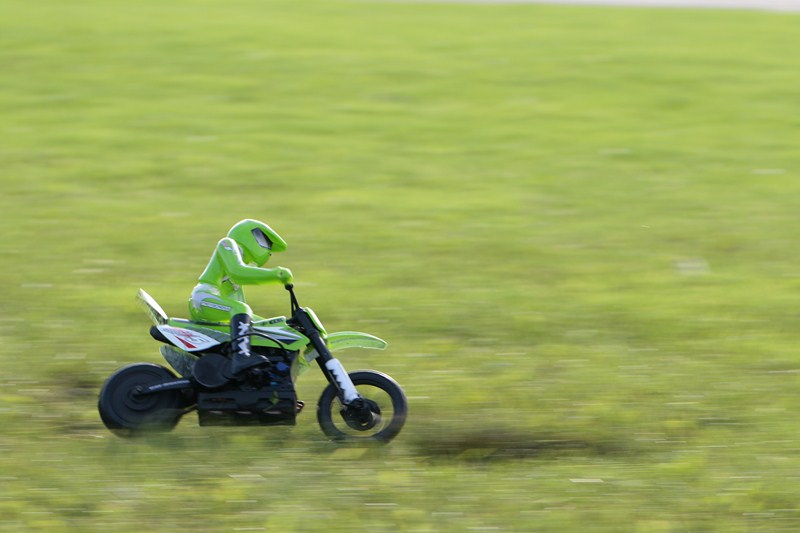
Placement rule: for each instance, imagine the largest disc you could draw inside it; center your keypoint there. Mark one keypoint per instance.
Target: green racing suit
(218, 294)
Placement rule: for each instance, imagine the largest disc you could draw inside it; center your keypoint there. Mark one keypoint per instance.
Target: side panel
(284, 336)
(187, 339)
(288, 337)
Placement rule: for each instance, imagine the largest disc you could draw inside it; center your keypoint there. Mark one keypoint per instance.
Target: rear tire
(128, 414)
(379, 420)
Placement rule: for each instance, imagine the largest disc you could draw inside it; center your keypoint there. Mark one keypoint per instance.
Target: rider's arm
(243, 274)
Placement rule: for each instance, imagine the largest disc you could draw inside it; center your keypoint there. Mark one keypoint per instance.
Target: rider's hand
(284, 275)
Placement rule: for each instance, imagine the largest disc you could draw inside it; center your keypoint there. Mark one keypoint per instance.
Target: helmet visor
(262, 239)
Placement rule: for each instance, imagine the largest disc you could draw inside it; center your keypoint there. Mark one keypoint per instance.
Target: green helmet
(257, 240)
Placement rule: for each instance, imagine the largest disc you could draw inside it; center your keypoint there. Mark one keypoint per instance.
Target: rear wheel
(127, 412)
(377, 417)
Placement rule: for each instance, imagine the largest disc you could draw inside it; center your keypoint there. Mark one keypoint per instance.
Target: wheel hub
(362, 415)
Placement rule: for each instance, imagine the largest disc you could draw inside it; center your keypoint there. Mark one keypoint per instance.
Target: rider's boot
(242, 359)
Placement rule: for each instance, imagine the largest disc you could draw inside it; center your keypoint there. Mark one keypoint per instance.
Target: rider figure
(238, 260)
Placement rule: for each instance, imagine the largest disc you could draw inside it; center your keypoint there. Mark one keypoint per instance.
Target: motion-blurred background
(576, 227)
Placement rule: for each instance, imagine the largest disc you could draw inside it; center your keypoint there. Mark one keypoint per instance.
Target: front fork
(338, 376)
(331, 367)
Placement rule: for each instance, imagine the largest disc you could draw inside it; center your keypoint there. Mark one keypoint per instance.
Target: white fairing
(344, 381)
(191, 341)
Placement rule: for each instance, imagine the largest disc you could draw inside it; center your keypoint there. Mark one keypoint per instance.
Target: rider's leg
(208, 306)
(240, 343)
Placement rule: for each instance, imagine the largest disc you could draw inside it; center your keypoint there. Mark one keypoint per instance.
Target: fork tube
(333, 370)
(331, 367)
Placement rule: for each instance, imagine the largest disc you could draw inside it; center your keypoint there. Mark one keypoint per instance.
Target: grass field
(576, 227)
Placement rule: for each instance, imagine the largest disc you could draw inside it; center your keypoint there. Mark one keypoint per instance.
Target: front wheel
(377, 416)
(127, 412)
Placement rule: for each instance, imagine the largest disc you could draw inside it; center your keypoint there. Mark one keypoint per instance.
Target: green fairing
(221, 332)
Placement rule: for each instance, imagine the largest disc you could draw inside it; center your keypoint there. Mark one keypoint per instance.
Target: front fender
(341, 340)
(353, 339)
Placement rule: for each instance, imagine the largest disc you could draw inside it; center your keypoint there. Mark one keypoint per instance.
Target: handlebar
(290, 287)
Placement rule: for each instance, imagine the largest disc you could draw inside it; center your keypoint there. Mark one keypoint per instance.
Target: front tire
(379, 419)
(127, 413)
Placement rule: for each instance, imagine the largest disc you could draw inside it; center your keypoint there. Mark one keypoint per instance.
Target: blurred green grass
(575, 227)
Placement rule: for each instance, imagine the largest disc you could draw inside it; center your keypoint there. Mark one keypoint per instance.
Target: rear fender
(182, 361)
(151, 307)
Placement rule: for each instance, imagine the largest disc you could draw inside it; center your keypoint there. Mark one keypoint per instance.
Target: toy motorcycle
(360, 406)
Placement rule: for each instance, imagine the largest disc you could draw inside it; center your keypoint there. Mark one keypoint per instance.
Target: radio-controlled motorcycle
(361, 406)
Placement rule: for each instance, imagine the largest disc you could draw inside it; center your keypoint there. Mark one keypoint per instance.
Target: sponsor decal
(281, 335)
(244, 342)
(212, 305)
(187, 339)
